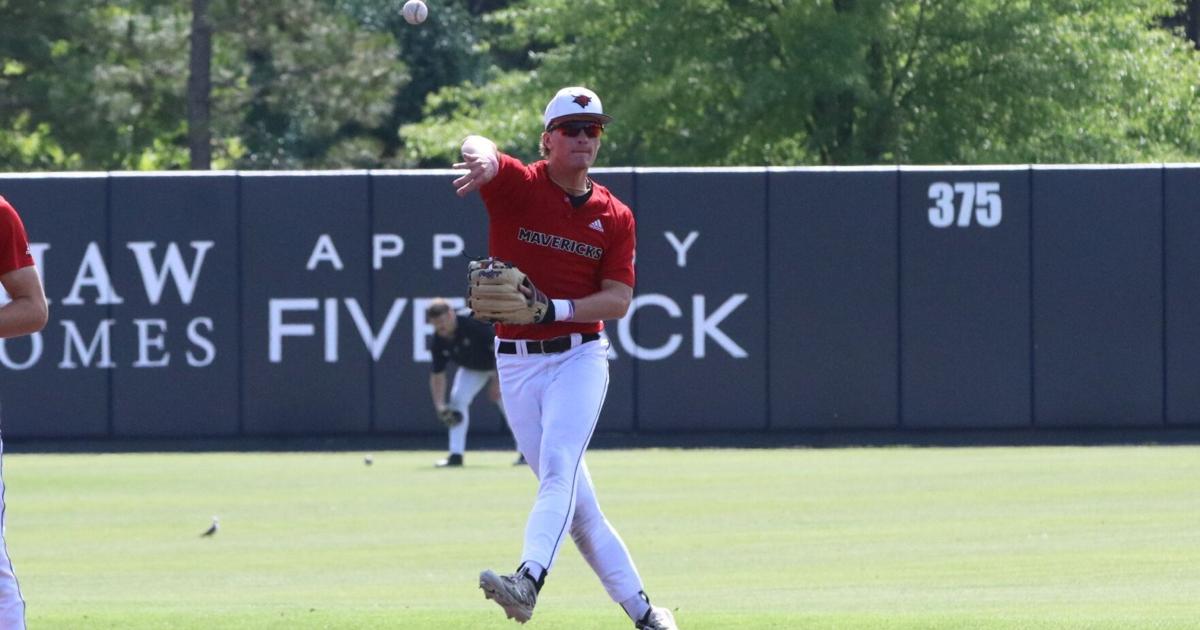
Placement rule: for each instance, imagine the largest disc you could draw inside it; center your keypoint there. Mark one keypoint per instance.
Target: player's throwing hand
(480, 162)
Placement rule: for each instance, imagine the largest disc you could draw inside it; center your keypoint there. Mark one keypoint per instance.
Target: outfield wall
(227, 303)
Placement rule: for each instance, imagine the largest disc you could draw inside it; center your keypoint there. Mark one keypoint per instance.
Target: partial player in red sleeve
(574, 241)
(24, 313)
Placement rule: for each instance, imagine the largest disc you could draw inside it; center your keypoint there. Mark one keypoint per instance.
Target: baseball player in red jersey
(24, 313)
(575, 242)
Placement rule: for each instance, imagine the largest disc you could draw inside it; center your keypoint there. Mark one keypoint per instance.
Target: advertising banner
(833, 283)
(1098, 296)
(964, 298)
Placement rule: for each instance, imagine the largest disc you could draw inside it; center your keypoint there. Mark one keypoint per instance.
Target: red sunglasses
(571, 129)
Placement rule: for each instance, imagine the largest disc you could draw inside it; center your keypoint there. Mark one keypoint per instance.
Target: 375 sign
(962, 204)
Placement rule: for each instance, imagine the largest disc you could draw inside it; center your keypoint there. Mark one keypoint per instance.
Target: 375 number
(980, 200)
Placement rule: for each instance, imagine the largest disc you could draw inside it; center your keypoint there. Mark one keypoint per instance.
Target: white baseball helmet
(575, 101)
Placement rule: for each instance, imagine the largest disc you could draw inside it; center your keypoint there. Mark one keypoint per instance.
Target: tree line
(241, 84)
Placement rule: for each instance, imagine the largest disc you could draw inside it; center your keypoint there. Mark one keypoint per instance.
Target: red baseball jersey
(14, 244)
(566, 251)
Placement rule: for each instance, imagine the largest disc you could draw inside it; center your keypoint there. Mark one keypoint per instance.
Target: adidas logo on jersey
(595, 225)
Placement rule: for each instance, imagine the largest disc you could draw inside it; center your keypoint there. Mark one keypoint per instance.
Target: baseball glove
(450, 417)
(499, 292)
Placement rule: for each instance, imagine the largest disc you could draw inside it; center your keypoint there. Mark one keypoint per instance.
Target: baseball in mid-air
(415, 11)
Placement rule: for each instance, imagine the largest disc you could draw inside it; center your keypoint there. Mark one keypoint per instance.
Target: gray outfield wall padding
(305, 258)
(1183, 295)
(832, 274)
(1098, 297)
(701, 305)
(178, 345)
(438, 233)
(292, 303)
(58, 391)
(964, 289)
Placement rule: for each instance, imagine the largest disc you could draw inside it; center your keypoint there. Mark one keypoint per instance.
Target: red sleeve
(511, 174)
(14, 244)
(618, 259)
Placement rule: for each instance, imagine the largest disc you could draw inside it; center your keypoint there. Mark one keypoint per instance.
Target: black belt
(546, 346)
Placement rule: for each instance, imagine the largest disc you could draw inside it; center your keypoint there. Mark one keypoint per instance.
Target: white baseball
(415, 11)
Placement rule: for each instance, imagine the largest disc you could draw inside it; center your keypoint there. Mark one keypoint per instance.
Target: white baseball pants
(467, 384)
(12, 605)
(553, 402)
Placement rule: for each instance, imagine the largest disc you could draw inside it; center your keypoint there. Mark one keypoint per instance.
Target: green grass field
(1031, 537)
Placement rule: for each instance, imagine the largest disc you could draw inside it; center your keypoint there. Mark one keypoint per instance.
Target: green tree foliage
(295, 84)
(448, 49)
(103, 85)
(723, 82)
(34, 40)
(328, 83)
(92, 85)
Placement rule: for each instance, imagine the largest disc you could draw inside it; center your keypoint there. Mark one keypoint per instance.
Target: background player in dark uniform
(468, 343)
(22, 313)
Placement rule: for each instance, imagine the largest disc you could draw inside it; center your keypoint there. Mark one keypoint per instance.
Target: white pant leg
(467, 384)
(520, 396)
(553, 403)
(12, 605)
(600, 544)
